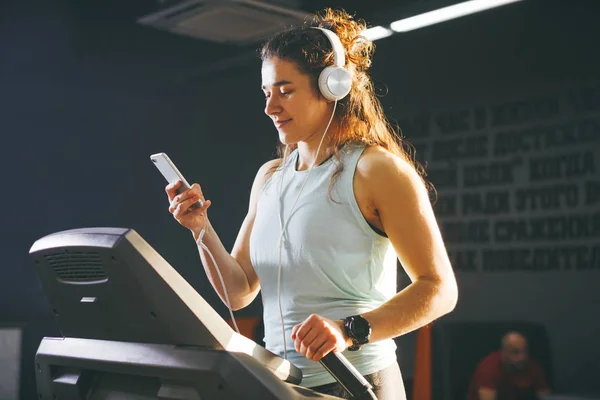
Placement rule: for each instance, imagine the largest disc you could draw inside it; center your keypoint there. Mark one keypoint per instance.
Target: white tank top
(333, 263)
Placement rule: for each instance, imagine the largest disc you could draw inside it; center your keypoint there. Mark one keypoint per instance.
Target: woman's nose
(272, 106)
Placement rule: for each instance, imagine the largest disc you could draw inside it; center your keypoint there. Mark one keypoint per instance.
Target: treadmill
(133, 328)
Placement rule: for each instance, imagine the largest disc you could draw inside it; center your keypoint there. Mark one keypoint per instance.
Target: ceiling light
(376, 32)
(446, 13)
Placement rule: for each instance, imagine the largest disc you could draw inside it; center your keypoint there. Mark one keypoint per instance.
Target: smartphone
(171, 173)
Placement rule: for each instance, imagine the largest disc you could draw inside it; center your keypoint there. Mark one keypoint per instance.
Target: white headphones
(335, 81)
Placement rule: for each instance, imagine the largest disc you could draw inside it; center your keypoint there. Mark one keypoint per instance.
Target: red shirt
(491, 374)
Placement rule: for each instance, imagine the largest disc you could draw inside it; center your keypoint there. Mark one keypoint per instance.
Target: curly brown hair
(360, 114)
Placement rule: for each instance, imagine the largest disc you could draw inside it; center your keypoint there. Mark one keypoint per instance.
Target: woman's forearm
(417, 305)
(236, 281)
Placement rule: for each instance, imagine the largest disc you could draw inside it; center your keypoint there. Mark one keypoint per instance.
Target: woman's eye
(282, 93)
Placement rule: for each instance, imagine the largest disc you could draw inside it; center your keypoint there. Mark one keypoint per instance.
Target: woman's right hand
(181, 206)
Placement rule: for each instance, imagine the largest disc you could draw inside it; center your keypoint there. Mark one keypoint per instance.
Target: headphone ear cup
(335, 83)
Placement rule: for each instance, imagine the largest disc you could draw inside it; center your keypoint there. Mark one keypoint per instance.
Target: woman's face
(300, 113)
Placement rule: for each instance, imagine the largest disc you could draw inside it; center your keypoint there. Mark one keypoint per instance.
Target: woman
(328, 219)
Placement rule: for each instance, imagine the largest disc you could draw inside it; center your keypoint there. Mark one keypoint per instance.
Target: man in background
(508, 374)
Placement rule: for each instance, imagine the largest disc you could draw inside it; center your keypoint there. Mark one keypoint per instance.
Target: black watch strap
(358, 330)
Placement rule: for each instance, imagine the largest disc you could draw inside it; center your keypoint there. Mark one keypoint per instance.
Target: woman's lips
(279, 124)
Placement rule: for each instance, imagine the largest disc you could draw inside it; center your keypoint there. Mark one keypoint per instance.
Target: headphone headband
(339, 59)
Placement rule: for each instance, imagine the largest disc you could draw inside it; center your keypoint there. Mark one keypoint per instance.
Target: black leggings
(387, 385)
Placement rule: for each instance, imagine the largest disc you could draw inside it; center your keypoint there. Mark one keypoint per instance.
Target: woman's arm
(236, 268)
(402, 204)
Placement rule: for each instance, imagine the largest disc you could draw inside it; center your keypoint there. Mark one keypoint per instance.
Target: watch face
(361, 328)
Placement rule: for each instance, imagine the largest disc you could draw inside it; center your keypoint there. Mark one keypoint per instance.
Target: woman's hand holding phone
(182, 206)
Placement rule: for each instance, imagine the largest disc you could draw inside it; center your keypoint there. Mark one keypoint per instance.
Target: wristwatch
(358, 330)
